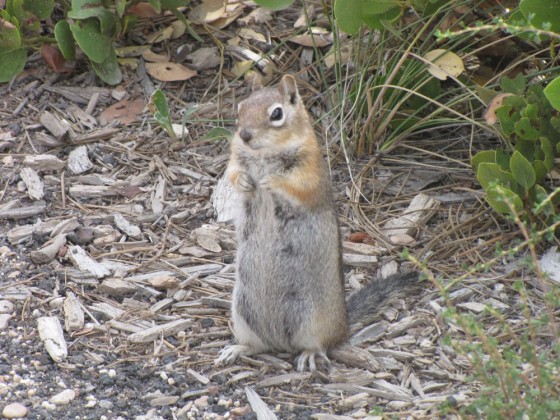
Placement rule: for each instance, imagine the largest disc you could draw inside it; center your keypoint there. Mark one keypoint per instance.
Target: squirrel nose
(245, 135)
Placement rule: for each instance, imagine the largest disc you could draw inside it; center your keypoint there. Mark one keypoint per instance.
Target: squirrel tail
(365, 305)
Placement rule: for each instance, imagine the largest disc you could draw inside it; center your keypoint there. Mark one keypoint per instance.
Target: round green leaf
(515, 86)
(489, 173)
(483, 156)
(13, 63)
(377, 21)
(64, 39)
(544, 14)
(548, 151)
(525, 130)
(522, 170)
(109, 70)
(40, 8)
(504, 200)
(376, 7)
(95, 45)
(348, 14)
(10, 38)
(540, 171)
(275, 4)
(552, 93)
(543, 205)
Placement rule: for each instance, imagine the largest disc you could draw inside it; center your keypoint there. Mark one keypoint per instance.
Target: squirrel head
(272, 117)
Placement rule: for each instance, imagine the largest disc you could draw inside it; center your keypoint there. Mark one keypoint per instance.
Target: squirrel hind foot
(230, 354)
(307, 359)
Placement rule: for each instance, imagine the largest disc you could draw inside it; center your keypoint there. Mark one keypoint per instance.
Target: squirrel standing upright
(289, 290)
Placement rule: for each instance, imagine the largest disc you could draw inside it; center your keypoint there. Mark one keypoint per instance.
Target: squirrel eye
(276, 114)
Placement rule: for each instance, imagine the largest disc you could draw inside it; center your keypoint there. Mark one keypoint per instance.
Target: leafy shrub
(515, 178)
(94, 25)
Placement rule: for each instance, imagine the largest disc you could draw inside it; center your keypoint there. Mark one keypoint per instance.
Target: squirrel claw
(229, 354)
(245, 183)
(307, 357)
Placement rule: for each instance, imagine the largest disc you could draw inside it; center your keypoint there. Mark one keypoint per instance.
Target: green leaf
(94, 44)
(13, 63)
(106, 18)
(378, 21)
(10, 38)
(552, 93)
(64, 39)
(543, 205)
(348, 15)
(489, 173)
(15, 10)
(376, 7)
(275, 4)
(515, 86)
(499, 196)
(502, 159)
(525, 130)
(483, 156)
(522, 170)
(526, 148)
(108, 70)
(531, 111)
(544, 14)
(218, 133)
(505, 114)
(160, 110)
(548, 151)
(175, 4)
(540, 171)
(120, 7)
(81, 4)
(40, 8)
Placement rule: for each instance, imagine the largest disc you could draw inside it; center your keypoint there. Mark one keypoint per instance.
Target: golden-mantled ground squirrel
(289, 291)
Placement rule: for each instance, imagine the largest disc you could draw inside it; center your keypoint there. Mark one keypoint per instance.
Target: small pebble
(14, 410)
(4, 321)
(6, 307)
(106, 404)
(63, 397)
(201, 402)
(47, 405)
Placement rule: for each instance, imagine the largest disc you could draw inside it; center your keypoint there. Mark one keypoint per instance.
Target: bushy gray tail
(365, 305)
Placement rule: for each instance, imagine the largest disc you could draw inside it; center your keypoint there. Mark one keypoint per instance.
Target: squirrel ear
(288, 88)
(256, 83)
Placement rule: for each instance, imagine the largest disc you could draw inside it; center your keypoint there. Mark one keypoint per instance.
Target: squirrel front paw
(245, 183)
(268, 182)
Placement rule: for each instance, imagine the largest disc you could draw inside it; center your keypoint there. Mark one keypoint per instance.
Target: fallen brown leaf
(169, 72)
(126, 111)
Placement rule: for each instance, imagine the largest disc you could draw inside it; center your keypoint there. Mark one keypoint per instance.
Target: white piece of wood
(73, 313)
(158, 196)
(78, 161)
(43, 163)
(420, 210)
(223, 200)
(357, 260)
(23, 212)
(84, 262)
(158, 331)
(92, 191)
(57, 127)
(48, 253)
(258, 405)
(66, 226)
(126, 227)
(33, 183)
(52, 336)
